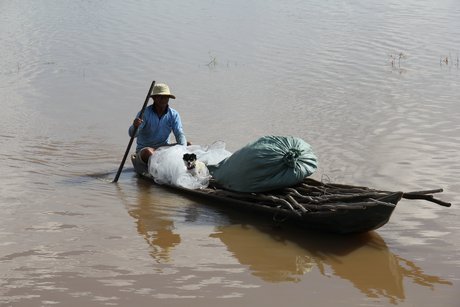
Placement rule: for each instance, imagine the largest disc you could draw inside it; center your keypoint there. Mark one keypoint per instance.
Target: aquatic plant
(397, 57)
(448, 59)
(212, 62)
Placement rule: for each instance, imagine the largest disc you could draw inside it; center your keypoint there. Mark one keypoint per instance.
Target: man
(158, 121)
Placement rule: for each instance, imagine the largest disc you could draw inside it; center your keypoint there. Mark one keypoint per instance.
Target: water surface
(373, 87)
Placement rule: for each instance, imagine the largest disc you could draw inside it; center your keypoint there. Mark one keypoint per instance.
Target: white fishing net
(167, 166)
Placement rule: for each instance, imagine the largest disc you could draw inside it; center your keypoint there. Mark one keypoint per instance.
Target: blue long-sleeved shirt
(154, 130)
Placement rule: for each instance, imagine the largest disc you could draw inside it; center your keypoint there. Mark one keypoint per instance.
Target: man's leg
(145, 153)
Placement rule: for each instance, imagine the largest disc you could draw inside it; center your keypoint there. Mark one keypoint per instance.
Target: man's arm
(179, 131)
(136, 123)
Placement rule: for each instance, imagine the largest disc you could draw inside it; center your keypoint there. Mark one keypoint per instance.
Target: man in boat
(158, 121)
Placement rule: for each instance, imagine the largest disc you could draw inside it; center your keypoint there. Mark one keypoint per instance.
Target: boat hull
(363, 217)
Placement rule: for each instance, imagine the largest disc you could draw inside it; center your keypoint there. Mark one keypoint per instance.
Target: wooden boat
(325, 207)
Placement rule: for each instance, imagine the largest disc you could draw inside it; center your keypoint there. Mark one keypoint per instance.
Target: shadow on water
(276, 254)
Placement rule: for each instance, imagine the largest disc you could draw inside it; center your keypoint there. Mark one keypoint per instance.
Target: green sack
(269, 163)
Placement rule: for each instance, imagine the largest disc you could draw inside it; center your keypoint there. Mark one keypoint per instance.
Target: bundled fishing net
(167, 166)
(271, 162)
(210, 154)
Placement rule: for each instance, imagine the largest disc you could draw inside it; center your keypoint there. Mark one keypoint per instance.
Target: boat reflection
(277, 255)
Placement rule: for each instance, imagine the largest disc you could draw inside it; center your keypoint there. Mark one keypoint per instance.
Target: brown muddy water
(373, 86)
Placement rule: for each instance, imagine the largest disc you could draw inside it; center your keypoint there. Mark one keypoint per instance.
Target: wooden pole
(134, 133)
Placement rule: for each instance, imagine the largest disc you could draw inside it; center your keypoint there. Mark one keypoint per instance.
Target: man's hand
(137, 122)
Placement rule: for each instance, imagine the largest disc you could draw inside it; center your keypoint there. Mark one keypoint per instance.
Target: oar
(134, 134)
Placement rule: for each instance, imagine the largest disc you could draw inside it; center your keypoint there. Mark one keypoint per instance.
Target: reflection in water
(284, 255)
(153, 224)
(365, 260)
